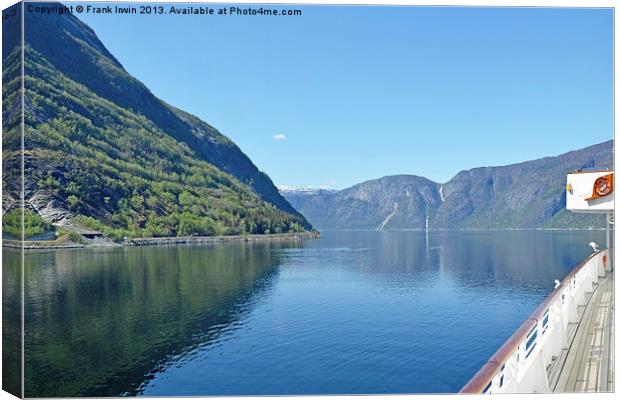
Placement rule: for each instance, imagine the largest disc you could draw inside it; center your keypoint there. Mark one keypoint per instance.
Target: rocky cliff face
(385, 203)
(525, 195)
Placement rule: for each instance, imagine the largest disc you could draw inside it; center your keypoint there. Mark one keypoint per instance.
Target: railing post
(580, 289)
(563, 323)
(520, 364)
(573, 311)
(593, 274)
(600, 268)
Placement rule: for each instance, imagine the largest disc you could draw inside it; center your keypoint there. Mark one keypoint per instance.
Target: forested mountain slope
(101, 150)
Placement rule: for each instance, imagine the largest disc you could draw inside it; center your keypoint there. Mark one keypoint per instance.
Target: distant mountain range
(525, 195)
(102, 151)
(289, 190)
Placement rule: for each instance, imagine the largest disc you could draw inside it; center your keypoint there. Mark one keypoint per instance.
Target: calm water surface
(351, 312)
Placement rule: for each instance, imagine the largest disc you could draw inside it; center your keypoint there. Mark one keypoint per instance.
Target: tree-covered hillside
(103, 152)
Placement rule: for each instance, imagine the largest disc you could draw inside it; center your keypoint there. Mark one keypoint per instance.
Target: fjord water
(351, 312)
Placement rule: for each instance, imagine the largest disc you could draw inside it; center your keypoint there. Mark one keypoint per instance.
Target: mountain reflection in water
(351, 312)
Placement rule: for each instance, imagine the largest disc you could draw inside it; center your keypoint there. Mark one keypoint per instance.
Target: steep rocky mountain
(525, 195)
(100, 147)
(386, 203)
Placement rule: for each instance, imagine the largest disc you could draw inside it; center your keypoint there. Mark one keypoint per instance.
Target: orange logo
(603, 186)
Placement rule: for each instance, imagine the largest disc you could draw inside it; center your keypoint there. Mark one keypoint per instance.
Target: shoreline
(161, 241)
(16, 244)
(277, 237)
(221, 239)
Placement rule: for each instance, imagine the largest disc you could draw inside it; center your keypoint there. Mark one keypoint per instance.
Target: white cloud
(279, 137)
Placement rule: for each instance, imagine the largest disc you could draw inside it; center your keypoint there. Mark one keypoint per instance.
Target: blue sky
(356, 93)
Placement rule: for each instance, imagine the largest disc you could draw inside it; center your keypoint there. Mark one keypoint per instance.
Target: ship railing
(520, 364)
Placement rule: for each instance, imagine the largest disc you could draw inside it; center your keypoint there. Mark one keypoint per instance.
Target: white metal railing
(520, 364)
